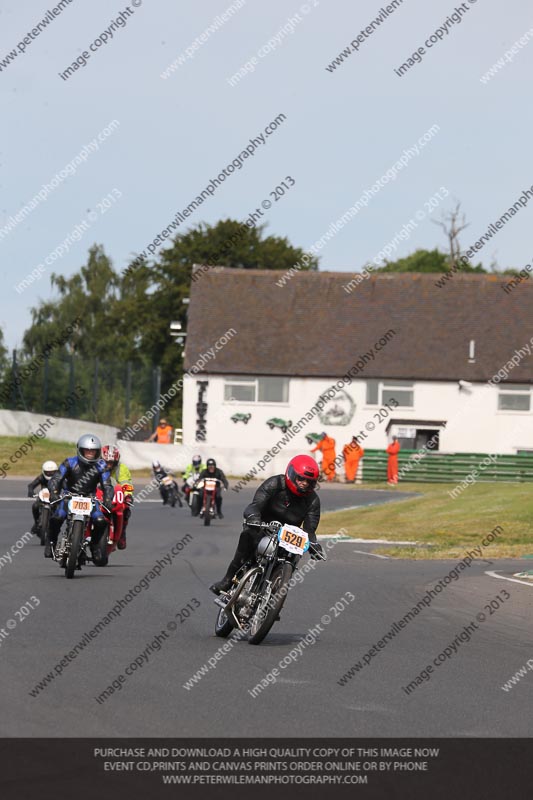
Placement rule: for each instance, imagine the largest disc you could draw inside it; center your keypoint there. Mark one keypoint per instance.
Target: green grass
(31, 463)
(447, 526)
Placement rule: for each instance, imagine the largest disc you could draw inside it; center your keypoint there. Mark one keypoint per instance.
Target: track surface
(463, 697)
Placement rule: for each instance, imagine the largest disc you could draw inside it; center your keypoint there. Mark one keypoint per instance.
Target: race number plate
(44, 495)
(210, 485)
(293, 539)
(80, 505)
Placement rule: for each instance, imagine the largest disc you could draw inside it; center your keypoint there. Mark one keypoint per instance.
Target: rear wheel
(266, 614)
(76, 536)
(100, 557)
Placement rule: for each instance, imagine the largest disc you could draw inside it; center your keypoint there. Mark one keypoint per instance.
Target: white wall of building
(474, 423)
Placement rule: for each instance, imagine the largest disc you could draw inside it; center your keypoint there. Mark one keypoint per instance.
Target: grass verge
(444, 527)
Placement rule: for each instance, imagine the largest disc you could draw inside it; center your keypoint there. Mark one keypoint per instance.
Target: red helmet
(111, 453)
(303, 468)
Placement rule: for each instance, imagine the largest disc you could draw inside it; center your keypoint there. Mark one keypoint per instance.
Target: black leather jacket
(216, 474)
(41, 481)
(76, 476)
(273, 500)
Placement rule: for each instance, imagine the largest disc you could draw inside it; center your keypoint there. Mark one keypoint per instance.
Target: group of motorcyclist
(290, 498)
(194, 472)
(95, 466)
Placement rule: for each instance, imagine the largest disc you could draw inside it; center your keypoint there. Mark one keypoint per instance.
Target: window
(372, 393)
(381, 392)
(256, 390)
(514, 397)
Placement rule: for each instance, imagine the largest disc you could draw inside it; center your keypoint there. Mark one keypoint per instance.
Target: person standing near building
(352, 453)
(327, 446)
(392, 465)
(163, 434)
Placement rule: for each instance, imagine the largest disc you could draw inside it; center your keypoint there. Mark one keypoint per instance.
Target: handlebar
(276, 524)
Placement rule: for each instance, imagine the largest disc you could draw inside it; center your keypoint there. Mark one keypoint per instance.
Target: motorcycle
(258, 593)
(192, 493)
(44, 513)
(207, 488)
(72, 549)
(116, 517)
(173, 492)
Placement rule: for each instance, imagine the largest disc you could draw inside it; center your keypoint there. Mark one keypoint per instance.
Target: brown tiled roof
(311, 327)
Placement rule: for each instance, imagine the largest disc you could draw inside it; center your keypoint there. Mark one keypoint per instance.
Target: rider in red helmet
(289, 498)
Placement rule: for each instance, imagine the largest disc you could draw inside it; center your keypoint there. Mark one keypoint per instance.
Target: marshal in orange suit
(352, 454)
(327, 446)
(392, 465)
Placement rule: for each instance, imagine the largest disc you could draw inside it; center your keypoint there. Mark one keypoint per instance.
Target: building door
(423, 435)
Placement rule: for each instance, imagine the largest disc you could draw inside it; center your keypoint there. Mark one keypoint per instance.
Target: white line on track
(504, 578)
(375, 555)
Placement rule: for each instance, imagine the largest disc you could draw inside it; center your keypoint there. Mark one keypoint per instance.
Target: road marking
(375, 555)
(504, 578)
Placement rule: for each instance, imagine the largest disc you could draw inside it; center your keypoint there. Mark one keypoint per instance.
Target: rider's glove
(317, 552)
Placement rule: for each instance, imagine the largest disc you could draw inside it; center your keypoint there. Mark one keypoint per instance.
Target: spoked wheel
(223, 625)
(75, 544)
(266, 614)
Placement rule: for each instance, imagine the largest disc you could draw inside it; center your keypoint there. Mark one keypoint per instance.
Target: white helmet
(48, 469)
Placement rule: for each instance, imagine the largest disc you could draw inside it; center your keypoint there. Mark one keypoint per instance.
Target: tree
(125, 317)
(453, 224)
(419, 261)
(232, 244)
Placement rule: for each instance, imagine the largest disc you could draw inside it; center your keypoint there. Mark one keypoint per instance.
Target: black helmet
(211, 463)
(89, 442)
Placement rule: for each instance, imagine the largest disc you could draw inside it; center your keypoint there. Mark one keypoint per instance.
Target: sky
(161, 140)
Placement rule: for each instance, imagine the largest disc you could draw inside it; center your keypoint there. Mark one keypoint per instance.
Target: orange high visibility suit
(352, 454)
(327, 446)
(392, 465)
(164, 434)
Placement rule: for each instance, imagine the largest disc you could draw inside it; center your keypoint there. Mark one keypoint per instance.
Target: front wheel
(76, 536)
(223, 625)
(207, 517)
(45, 520)
(195, 505)
(266, 614)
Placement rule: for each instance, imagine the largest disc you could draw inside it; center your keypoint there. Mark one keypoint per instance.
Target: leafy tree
(424, 261)
(125, 317)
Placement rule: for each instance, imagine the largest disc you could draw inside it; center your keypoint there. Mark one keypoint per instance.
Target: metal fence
(112, 392)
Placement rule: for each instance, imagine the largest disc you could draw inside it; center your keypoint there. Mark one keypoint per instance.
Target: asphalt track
(463, 697)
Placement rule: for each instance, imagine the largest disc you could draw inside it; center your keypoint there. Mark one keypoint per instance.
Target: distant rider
(81, 474)
(289, 498)
(47, 470)
(212, 471)
(121, 474)
(159, 474)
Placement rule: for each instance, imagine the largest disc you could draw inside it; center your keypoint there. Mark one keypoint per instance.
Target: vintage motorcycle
(172, 489)
(44, 513)
(72, 549)
(258, 593)
(192, 493)
(207, 489)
